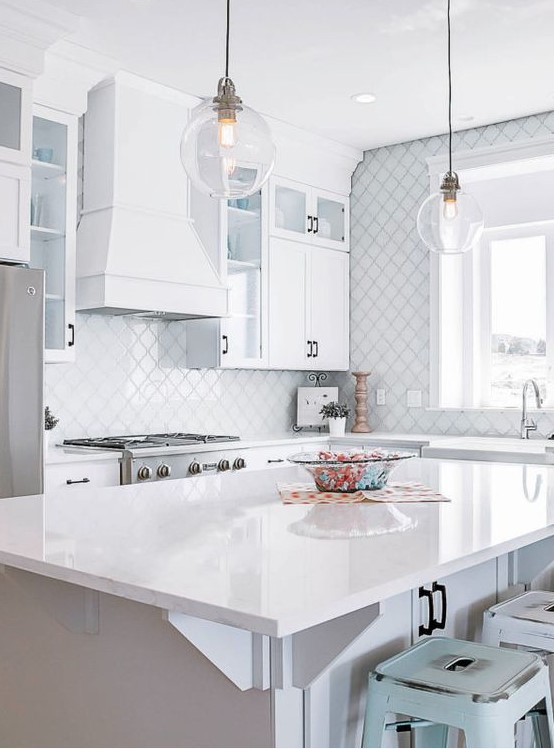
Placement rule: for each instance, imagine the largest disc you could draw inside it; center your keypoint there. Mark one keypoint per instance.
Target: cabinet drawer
(98, 473)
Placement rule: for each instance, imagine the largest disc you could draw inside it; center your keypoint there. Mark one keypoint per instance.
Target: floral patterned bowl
(349, 472)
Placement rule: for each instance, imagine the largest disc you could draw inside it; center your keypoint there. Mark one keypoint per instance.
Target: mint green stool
(481, 690)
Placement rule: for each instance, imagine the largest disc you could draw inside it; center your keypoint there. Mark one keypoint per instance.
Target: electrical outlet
(380, 397)
(413, 398)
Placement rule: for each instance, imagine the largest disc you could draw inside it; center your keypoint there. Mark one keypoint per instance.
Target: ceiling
(301, 60)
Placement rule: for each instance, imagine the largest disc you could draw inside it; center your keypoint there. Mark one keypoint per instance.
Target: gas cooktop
(137, 441)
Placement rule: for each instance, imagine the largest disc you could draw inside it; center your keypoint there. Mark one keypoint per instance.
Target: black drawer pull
(440, 623)
(277, 460)
(72, 331)
(78, 481)
(428, 594)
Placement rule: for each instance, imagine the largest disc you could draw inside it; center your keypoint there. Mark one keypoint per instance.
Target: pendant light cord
(449, 95)
(227, 39)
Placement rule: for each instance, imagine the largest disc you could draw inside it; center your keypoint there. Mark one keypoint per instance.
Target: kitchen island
(203, 612)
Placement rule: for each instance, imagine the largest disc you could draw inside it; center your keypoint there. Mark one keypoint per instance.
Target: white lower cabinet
(96, 473)
(308, 307)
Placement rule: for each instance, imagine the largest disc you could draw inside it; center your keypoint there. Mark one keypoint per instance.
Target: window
(492, 309)
(516, 336)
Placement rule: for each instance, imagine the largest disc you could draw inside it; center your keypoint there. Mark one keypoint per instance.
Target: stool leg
(489, 734)
(543, 726)
(375, 715)
(431, 736)
(490, 635)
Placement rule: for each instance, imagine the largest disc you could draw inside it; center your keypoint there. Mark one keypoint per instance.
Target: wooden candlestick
(360, 394)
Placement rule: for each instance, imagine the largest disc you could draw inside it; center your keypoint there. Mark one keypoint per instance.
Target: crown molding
(70, 71)
(27, 29)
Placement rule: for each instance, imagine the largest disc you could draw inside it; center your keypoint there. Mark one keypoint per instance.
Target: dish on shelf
(350, 471)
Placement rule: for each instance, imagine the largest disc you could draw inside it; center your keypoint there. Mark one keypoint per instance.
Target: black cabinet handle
(310, 224)
(311, 351)
(79, 481)
(72, 331)
(316, 224)
(439, 623)
(316, 344)
(428, 594)
(277, 460)
(225, 344)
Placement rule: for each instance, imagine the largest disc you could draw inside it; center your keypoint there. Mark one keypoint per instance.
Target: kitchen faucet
(527, 423)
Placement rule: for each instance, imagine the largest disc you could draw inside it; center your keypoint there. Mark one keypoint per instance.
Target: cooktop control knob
(164, 471)
(144, 473)
(195, 468)
(223, 465)
(239, 463)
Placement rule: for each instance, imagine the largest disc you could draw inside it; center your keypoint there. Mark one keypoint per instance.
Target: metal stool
(481, 690)
(527, 620)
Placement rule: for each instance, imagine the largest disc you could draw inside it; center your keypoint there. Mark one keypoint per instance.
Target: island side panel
(137, 682)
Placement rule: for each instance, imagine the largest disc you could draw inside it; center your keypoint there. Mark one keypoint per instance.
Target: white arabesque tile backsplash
(129, 376)
(390, 317)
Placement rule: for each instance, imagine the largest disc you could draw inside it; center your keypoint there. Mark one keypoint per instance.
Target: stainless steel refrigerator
(21, 381)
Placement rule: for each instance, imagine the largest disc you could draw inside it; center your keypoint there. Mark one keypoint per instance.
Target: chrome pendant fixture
(450, 221)
(226, 148)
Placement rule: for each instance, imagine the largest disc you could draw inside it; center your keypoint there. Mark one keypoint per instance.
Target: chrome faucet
(527, 423)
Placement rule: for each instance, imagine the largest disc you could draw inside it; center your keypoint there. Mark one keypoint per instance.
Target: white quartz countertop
(62, 455)
(225, 548)
(491, 448)
(58, 454)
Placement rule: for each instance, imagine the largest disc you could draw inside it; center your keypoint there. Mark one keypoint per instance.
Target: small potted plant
(50, 422)
(336, 415)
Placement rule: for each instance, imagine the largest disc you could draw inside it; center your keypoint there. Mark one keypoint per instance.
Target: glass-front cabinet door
(308, 214)
(242, 333)
(15, 117)
(331, 225)
(53, 226)
(289, 209)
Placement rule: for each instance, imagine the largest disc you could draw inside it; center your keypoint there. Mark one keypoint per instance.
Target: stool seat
(476, 688)
(482, 673)
(530, 613)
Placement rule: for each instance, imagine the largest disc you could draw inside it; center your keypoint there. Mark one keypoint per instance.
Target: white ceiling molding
(70, 71)
(299, 157)
(478, 158)
(27, 30)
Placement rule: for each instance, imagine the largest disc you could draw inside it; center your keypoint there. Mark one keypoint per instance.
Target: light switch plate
(309, 402)
(413, 398)
(380, 397)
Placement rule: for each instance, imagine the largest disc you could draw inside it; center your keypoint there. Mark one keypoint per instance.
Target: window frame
(460, 285)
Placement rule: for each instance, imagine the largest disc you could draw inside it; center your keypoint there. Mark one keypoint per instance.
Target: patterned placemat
(299, 493)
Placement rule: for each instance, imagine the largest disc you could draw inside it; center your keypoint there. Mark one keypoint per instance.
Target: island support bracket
(286, 665)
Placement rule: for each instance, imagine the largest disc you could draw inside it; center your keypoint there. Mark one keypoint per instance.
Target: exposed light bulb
(450, 208)
(227, 134)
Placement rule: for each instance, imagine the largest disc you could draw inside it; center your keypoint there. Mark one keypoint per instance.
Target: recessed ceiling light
(466, 118)
(363, 98)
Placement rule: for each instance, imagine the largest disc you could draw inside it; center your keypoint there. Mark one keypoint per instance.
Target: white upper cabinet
(239, 340)
(15, 157)
(308, 214)
(308, 307)
(15, 117)
(53, 213)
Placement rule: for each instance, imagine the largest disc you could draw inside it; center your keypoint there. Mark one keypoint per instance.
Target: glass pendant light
(450, 221)
(226, 148)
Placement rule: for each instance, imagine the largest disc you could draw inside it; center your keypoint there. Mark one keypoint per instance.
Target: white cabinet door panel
(328, 323)
(15, 198)
(287, 304)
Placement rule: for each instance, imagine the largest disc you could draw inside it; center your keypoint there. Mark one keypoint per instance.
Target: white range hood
(137, 248)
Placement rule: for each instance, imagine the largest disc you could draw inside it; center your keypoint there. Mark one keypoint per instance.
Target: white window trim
(529, 155)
